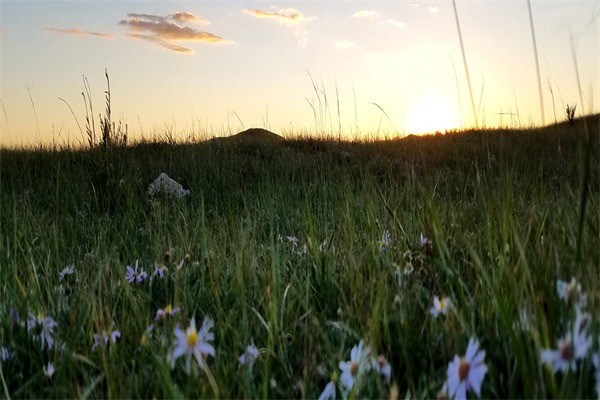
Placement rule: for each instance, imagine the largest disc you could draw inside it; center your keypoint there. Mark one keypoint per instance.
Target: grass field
(305, 248)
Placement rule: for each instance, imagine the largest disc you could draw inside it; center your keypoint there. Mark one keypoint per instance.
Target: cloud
(365, 13)
(344, 44)
(163, 30)
(394, 22)
(289, 16)
(434, 10)
(183, 16)
(171, 46)
(80, 32)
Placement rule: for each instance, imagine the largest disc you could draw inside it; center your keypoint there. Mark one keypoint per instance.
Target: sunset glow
(211, 68)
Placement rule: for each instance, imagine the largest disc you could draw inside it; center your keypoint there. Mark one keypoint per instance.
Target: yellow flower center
(168, 309)
(354, 368)
(442, 303)
(192, 337)
(143, 341)
(463, 369)
(40, 316)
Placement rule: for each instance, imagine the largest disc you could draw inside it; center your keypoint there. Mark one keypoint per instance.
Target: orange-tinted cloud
(171, 46)
(288, 16)
(80, 32)
(163, 30)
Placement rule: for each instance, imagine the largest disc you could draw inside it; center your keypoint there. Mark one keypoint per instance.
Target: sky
(362, 68)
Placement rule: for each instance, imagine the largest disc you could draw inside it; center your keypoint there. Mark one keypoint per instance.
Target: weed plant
(302, 248)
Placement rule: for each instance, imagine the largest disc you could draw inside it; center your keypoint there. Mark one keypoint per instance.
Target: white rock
(166, 185)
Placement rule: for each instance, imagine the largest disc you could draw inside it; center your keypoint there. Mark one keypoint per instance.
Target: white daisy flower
(160, 271)
(385, 242)
(571, 292)
(441, 305)
(570, 349)
(48, 370)
(467, 373)
(193, 343)
(356, 367)
(328, 392)
(249, 356)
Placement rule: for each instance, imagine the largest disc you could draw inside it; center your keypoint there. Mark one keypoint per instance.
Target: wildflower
(160, 271)
(147, 333)
(571, 291)
(168, 311)
(6, 354)
(383, 367)
(104, 338)
(15, 315)
(466, 373)
(48, 370)
(249, 356)
(132, 275)
(68, 270)
(141, 277)
(384, 243)
(440, 306)
(45, 332)
(328, 392)
(193, 342)
(180, 265)
(293, 240)
(570, 349)
(353, 369)
(426, 244)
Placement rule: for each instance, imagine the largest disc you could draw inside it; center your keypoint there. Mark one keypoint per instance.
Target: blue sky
(188, 67)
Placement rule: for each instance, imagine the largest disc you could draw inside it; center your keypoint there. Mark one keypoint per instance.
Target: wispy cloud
(289, 16)
(344, 44)
(433, 10)
(80, 32)
(393, 22)
(365, 14)
(164, 30)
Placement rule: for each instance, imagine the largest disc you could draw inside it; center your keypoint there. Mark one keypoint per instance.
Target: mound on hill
(252, 135)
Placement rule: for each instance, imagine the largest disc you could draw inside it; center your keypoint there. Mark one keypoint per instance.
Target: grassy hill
(303, 247)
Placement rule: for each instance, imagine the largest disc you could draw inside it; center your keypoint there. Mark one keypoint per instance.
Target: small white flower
(168, 311)
(193, 343)
(441, 305)
(68, 270)
(104, 338)
(570, 349)
(467, 373)
(141, 277)
(383, 367)
(293, 240)
(48, 370)
(571, 291)
(328, 392)
(45, 332)
(249, 356)
(385, 242)
(356, 367)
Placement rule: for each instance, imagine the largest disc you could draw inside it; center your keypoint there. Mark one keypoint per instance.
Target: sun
(431, 112)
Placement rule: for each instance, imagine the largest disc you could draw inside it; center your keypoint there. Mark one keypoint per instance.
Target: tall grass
(281, 245)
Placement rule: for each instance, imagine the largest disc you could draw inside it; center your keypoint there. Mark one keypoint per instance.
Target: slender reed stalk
(74, 116)
(464, 57)
(34, 112)
(537, 63)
